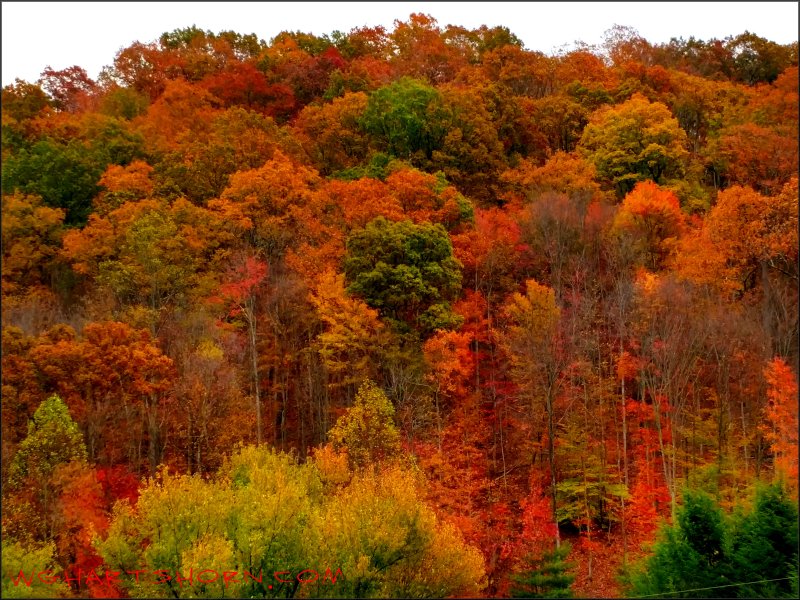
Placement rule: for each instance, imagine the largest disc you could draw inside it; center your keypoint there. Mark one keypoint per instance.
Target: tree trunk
(551, 455)
(250, 315)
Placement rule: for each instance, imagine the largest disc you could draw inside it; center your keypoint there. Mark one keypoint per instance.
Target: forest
(402, 313)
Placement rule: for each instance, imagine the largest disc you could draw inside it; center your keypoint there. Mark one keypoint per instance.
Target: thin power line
(716, 587)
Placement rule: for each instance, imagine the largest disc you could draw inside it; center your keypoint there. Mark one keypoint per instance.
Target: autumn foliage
(458, 317)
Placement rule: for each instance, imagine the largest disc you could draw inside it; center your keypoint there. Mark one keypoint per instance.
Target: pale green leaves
(53, 439)
(265, 514)
(367, 431)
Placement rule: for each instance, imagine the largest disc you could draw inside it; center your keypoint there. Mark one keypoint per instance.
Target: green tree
(110, 140)
(30, 500)
(471, 153)
(154, 264)
(752, 555)
(65, 176)
(265, 513)
(53, 439)
(406, 271)
(123, 103)
(545, 577)
(634, 141)
(406, 119)
(22, 564)
(237, 140)
(765, 545)
(690, 555)
(758, 60)
(367, 430)
(588, 489)
(22, 100)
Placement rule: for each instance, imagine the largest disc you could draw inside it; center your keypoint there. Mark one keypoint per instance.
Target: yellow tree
(537, 359)
(634, 141)
(353, 335)
(367, 431)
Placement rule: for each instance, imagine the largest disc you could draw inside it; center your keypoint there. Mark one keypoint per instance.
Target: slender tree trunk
(250, 315)
(551, 455)
(189, 443)
(744, 438)
(624, 473)
(665, 461)
(586, 481)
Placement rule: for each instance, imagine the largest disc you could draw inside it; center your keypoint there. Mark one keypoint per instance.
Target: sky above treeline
(89, 34)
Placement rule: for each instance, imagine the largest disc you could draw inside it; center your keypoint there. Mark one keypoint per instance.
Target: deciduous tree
(634, 141)
(781, 416)
(652, 217)
(406, 271)
(367, 431)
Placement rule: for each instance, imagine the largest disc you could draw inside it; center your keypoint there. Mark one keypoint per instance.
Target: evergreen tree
(545, 577)
(765, 545)
(691, 554)
(702, 556)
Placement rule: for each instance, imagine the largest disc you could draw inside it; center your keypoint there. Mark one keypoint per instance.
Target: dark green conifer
(545, 577)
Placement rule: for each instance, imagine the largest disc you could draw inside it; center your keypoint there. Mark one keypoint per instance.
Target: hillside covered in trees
(420, 312)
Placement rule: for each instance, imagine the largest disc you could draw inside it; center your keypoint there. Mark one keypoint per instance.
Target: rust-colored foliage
(124, 184)
(114, 374)
(652, 217)
(781, 416)
(618, 320)
(31, 235)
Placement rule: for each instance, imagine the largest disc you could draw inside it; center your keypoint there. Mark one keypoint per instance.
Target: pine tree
(706, 556)
(765, 545)
(545, 577)
(691, 554)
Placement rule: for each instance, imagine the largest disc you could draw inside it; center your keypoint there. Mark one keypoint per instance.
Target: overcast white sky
(38, 34)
